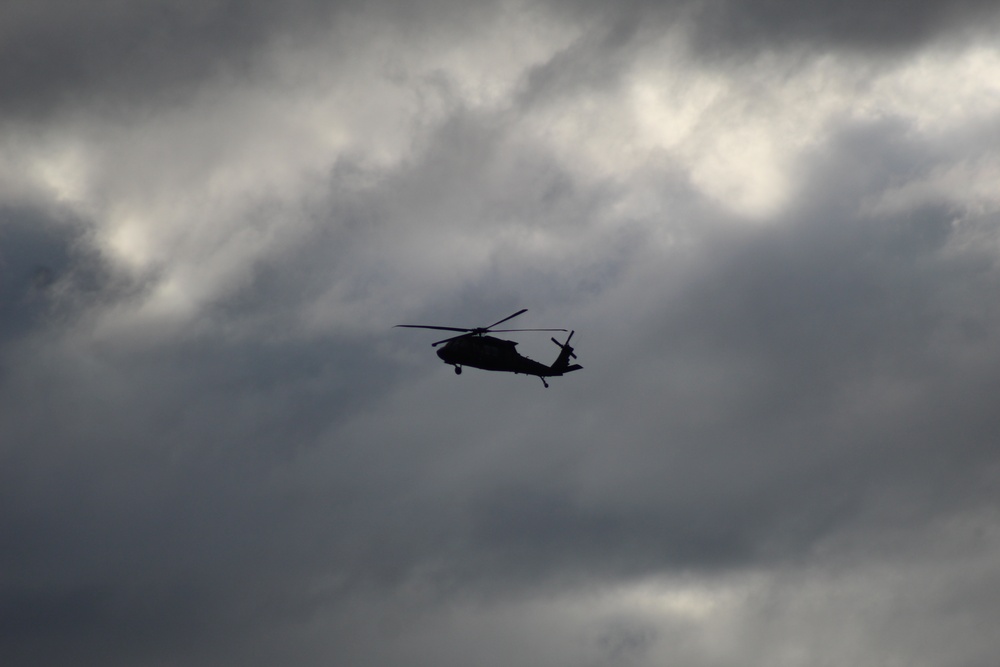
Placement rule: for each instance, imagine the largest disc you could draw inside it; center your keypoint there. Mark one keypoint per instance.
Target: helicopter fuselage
(491, 354)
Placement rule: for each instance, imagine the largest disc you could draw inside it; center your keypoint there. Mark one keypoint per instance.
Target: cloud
(729, 29)
(885, 26)
(110, 54)
(780, 268)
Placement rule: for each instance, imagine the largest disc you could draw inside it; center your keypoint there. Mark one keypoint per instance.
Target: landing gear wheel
(458, 370)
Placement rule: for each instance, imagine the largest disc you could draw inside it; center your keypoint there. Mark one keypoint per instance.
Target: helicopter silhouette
(474, 348)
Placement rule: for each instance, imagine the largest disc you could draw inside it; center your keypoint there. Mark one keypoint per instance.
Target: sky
(774, 227)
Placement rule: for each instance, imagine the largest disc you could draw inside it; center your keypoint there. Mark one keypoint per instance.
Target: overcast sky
(772, 224)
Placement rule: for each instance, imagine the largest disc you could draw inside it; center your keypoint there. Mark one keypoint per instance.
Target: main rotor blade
(509, 317)
(450, 339)
(509, 330)
(427, 326)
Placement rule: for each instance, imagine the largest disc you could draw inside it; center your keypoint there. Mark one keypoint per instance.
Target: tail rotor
(566, 348)
(562, 364)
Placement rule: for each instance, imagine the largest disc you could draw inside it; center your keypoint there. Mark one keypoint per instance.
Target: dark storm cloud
(883, 25)
(49, 269)
(32, 257)
(56, 53)
(149, 514)
(110, 53)
(138, 471)
(734, 26)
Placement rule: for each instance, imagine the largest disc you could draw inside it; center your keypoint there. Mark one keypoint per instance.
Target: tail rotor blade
(566, 345)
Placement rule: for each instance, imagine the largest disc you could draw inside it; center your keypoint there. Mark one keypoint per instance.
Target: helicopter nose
(441, 354)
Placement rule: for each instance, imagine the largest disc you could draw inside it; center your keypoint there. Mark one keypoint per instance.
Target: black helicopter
(474, 348)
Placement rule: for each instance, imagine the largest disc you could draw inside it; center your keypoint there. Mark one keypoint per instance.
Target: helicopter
(474, 348)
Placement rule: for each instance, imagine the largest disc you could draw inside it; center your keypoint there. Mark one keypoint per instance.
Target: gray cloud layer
(61, 53)
(215, 450)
